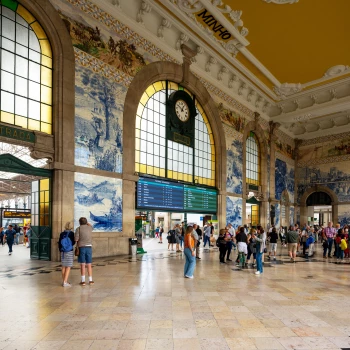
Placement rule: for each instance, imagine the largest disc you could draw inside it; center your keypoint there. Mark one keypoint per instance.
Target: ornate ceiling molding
(281, 2)
(287, 89)
(339, 69)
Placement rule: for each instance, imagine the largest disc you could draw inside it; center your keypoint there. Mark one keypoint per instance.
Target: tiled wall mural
(277, 215)
(291, 216)
(99, 105)
(284, 179)
(234, 154)
(234, 211)
(99, 199)
(232, 119)
(335, 176)
(285, 148)
(333, 148)
(344, 214)
(99, 37)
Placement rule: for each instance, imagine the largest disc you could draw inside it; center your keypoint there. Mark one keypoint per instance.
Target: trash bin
(133, 246)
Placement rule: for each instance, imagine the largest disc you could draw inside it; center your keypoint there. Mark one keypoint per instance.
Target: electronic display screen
(200, 199)
(159, 194)
(171, 196)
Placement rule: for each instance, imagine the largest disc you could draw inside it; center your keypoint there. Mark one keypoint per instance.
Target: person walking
(273, 243)
(178, 237)
(83, 238)
(190, 254)
(161, 231)
(29, 234)
(260, 240)
(229, 243)
(198, 232)
(10, 236)
(221, 243)
(207, 233)
(292, 240)
(329, 234)
(66, 243)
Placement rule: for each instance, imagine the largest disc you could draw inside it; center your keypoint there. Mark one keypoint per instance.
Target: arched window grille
(253, 164)
(26, 69)
(156, 155)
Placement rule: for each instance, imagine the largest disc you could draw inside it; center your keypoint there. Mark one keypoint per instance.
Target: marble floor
(145, 303)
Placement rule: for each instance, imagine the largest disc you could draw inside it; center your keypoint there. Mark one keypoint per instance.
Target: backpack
(66, 243)
(343, 244)
(309, 241)
(338, 240)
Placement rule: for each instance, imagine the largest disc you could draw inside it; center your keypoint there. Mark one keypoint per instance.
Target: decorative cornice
(230, 131)
(323, 139)
(286, 159)
(287, 89)
(281, 2)
(339, 69)
(326, 160)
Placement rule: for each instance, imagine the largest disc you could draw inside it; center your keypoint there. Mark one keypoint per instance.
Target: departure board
(172, 196)
(159, 194)
(199, 199)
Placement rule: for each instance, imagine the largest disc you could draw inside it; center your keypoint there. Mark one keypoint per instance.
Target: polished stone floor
(145, 303)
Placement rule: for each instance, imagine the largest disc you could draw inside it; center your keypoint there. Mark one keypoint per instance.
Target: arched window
(161, 156)
(26, 70)
(253, 163)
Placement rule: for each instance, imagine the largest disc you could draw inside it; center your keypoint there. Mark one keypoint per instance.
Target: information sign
(199, 199)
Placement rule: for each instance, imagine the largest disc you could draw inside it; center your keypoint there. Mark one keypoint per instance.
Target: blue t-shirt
(10, 234)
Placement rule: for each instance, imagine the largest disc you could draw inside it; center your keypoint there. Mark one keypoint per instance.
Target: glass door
(40, 247)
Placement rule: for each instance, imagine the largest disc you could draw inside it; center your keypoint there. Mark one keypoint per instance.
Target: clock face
(182, 110)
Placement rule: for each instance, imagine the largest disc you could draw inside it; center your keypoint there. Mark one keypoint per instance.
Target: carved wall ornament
(258, 101)
(210, 62)
(287, 89)
(200, 50)
(232, 47)
(281, 2)
(182, 40)
(116, 3)
(304, 117)
(165, 24)
(250, 96)
(242, 88)
(221, 73)
(333, 93)
(266, 107)
(314, 99)
(339, 69)
(145, 8)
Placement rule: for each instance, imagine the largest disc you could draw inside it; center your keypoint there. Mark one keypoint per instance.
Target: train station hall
(174, 174)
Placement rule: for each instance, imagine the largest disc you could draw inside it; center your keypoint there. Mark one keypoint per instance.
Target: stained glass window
(159, 156)
(252, 160)
(26, 69)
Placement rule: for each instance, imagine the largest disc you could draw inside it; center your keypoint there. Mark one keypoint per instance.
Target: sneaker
(191, 277)
(10, 253)
(268, 257)
(253, 265)
(257, 272)
(228, 259)
(197, 257)
(274, 259)
(91, 282)
(82, 284)
(66, 284)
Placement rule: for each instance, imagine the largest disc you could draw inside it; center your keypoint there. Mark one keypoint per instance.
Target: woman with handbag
(260, 240)
(83, 237)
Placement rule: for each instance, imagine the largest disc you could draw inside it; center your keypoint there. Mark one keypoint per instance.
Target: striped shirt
(330, 232)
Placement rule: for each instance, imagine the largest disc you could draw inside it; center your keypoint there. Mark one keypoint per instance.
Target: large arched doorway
(155, 166)
(318, 206)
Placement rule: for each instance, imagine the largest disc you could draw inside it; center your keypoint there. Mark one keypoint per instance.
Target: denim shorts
(85, 255)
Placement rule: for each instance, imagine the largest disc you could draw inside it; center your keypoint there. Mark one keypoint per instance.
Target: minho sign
(17, 134)
(212, 23)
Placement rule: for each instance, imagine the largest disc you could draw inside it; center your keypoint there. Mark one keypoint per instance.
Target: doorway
(319, 209)
(148, 224)
(253, 212)
(25, 198)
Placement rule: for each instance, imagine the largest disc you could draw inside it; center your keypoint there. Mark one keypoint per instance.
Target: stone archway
(318, 188)
(173, 72)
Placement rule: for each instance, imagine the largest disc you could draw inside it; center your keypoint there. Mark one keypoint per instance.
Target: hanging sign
(17, 134)
(17, 214)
